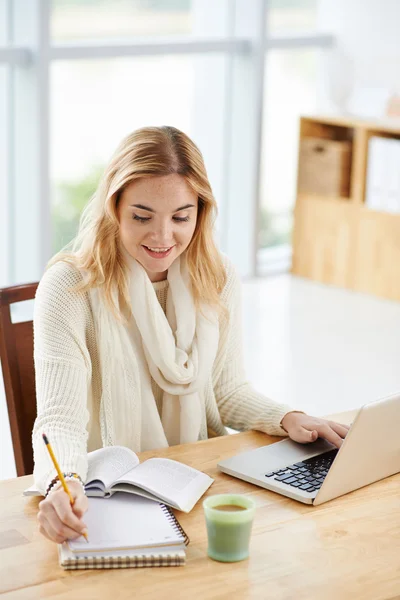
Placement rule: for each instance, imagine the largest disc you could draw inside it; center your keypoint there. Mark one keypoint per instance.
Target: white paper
(126, 521)
(170, 480)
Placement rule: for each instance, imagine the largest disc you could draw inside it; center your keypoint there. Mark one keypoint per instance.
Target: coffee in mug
(229, 507)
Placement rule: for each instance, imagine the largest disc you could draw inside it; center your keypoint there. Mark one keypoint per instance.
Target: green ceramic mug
(229, 518)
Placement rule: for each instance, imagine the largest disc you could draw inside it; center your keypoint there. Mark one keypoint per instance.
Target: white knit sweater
(68, 375)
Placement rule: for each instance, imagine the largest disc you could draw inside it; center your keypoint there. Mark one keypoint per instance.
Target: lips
(158, 253)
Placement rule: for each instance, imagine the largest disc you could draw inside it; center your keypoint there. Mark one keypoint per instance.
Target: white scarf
(177, 349)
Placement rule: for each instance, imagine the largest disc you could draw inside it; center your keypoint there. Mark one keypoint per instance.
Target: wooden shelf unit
(340, 241)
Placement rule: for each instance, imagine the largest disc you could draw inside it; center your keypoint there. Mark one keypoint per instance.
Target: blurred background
(78, 75)
(236, 75)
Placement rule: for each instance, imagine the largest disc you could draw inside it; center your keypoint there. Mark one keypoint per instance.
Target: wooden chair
(16, 355)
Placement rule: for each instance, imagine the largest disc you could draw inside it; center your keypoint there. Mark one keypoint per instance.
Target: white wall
(368, 47)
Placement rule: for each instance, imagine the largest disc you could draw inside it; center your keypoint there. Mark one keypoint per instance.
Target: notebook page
(107, 464)
(170, 480)
(126, 521)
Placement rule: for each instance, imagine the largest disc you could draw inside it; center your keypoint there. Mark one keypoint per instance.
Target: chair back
(16, 355)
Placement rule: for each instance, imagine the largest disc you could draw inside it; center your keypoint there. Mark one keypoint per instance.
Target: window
(4, 137)
(294, 16)
(4, 182)
(4, 19)
(97, 103)
(293, 83)
(74, 19)
(86, 72)
(290, 90)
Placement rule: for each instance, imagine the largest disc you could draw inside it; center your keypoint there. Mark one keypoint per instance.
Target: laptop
(317, 472)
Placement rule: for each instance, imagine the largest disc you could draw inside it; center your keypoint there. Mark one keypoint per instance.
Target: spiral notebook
(126, 531)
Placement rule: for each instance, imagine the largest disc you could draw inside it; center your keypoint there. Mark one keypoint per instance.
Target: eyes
(146, 219)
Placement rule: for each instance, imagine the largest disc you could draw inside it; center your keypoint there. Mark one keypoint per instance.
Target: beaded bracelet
(56, 483)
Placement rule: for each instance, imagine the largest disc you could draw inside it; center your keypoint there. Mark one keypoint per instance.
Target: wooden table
(347, 548)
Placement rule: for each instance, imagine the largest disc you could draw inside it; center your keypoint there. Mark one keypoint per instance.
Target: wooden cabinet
(340, 241)
(323, 240)
(377, 254)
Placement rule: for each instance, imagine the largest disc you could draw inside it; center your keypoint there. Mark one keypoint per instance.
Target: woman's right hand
(58, 520)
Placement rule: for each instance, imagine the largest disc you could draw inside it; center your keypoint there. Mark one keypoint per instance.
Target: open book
(117, 469)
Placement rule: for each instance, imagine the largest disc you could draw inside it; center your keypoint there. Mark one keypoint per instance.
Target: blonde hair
(147, 152)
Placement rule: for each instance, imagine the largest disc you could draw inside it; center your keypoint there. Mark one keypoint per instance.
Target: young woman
(137, 329)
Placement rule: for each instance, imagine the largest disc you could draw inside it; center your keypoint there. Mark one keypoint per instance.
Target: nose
(163, 233)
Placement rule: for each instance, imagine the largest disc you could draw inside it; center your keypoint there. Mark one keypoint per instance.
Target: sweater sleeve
(63, 372)
(240, 405)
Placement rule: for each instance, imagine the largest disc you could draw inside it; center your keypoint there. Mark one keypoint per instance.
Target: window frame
(28, 54)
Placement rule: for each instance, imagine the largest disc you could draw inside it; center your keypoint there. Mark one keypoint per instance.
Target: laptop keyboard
(307, 475)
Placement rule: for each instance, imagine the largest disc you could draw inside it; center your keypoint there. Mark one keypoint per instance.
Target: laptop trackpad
(288, 452)
(275, 456)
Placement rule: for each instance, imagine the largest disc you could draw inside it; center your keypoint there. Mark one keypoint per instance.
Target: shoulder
(60, 278)
(62, 317)
(58, 291)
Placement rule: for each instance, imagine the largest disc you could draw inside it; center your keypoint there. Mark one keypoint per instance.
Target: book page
(129, 488)
(108, 464)
(169, 480)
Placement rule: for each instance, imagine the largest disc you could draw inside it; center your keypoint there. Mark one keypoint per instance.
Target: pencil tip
(84, 533)
(44, 436)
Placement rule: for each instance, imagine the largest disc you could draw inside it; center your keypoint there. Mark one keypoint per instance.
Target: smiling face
(157, 218)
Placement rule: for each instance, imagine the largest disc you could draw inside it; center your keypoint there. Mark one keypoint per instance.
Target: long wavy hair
(147, 152)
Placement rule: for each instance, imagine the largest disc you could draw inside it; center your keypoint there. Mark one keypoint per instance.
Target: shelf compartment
(325, 159)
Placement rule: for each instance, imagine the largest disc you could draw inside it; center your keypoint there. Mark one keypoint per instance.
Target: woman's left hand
(305, 429)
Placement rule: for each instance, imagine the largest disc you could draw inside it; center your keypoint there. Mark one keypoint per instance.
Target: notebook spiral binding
(175, 523)
(123, 562)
